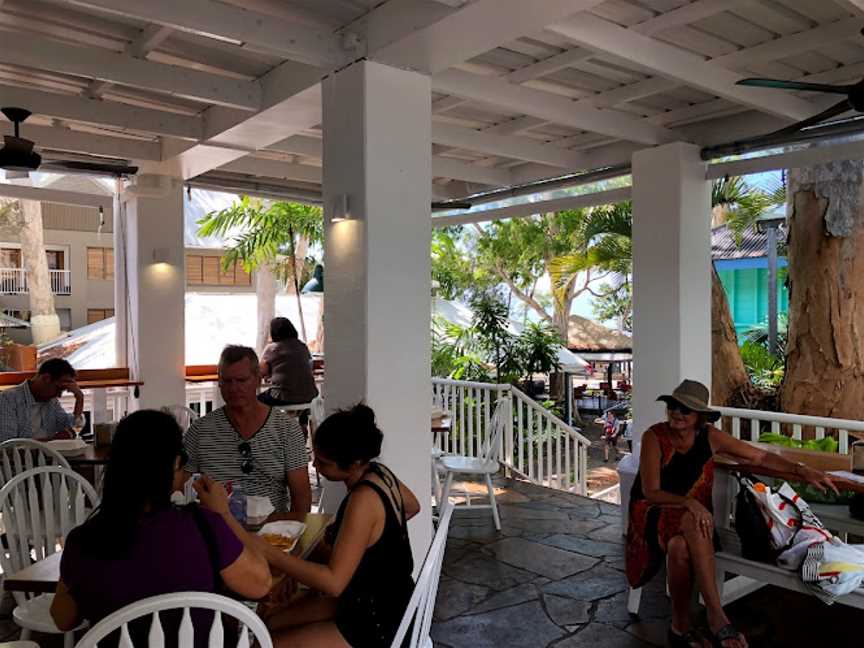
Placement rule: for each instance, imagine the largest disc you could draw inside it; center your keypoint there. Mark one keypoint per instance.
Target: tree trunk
(44, 323)
(825, 359)
(729, 379)
(265, 289)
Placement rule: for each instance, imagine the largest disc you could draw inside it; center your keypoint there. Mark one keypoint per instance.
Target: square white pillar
(377, 167)
(151, 289)
(671, 276)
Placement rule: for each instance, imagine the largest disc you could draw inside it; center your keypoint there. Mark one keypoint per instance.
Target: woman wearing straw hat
(670, 509)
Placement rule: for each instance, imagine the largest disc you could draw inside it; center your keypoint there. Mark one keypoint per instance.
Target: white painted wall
(154, 221)
(671, 276)
(376, 306)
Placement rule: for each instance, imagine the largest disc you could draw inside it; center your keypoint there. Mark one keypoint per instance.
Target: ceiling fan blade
(89, 167)
(837, 109)
(794, 85)
(451, 205)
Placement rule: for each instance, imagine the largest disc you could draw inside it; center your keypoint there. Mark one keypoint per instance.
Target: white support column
(155, 268)
(376, 306)
(671, 276)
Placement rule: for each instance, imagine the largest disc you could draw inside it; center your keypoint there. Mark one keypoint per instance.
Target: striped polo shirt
(277, 448)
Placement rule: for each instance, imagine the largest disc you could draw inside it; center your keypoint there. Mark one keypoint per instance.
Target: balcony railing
(13, 281)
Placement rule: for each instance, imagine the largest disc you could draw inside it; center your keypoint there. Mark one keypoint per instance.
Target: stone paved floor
(554, 576)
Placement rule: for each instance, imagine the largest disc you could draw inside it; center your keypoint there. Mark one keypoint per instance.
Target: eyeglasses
(246, 453)
(675, 406)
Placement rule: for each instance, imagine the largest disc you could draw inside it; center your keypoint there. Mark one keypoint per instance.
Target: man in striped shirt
(248, 443)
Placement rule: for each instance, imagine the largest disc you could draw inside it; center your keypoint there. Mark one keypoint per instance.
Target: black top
(371, 606)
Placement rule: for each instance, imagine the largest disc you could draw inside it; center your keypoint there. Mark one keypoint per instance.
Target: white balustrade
(749, 424)
(537, 445)
(13, 281)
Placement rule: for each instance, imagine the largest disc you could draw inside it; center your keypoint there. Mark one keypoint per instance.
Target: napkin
(258, 507)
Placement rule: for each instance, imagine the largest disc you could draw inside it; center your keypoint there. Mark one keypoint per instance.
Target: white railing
(749, 424)
(537, 445)
(13, 281)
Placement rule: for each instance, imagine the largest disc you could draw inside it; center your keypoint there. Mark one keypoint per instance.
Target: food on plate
(284, 542)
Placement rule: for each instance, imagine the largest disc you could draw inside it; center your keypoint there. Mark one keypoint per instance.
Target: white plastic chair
(183, 415)
(20, 455)
(186, 601)
(486, 464)
(421, 607)
(39, 508)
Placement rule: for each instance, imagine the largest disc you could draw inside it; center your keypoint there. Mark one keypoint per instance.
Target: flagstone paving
(554, 577)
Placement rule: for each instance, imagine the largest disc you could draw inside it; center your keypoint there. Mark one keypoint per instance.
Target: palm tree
(273, 235)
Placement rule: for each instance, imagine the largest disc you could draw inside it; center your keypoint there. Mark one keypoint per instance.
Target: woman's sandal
(689, 639)
(725, 633)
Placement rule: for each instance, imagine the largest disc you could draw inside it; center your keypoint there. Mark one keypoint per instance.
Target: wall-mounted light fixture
(340, 209)
(162, 255)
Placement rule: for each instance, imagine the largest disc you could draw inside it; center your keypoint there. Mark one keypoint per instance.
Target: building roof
(584, 334)
(752, 245)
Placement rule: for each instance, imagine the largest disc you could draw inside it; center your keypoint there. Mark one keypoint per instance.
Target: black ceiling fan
(853, 99)
(18, 154)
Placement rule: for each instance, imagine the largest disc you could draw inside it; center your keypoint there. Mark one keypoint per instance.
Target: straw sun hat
(692, 395)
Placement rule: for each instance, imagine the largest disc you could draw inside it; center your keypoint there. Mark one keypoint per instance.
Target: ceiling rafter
(149, 39)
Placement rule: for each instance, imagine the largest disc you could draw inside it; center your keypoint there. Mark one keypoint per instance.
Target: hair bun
(363, 414)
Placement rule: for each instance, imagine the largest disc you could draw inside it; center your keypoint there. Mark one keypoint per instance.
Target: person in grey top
(32, 409)
(286, 361)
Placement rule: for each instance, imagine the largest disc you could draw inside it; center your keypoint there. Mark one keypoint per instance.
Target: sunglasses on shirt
(247, 465)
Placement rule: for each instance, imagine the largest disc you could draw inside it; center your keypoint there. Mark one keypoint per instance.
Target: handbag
(758, 542)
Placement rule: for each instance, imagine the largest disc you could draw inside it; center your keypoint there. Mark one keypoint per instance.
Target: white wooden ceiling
(521, 90)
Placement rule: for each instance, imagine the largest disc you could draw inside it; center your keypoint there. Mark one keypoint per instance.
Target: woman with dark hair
(361, 590)
(671, 509)
(138, 544)
(287, 363)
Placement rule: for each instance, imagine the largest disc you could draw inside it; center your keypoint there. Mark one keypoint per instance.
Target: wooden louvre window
(100, 263)
(207, 270)
(194, 269)
(99, 314)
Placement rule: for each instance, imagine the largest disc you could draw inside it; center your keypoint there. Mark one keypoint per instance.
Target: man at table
(247, 442)
(32, 409)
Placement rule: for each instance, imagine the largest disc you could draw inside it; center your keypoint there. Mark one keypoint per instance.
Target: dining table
(43, 575)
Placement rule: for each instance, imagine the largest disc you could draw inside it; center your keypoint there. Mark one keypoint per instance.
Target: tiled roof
(752, 245)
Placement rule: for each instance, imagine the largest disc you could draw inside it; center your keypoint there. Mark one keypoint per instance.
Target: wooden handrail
(84, 375)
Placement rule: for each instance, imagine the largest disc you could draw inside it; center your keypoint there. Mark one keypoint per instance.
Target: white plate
(68, 447)
(287, 528)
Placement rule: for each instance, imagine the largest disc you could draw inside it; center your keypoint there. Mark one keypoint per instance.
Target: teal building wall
(746, 285)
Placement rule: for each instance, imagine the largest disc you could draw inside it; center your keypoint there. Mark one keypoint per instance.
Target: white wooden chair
(20, 455)
(185, 601)
(184, 415)
(421, 607)
(486, 465)
(39, 508)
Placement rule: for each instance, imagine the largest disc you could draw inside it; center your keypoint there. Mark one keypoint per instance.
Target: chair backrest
(317, 413)
(185, 601)
(498, 425)
(39, 507)
(20, 455)
(184, 415)
(421, 607)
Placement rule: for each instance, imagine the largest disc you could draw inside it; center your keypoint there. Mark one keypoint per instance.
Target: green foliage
(615, 303)
(743, 203)
(758, 334)
(452, 268)
(268, 231)
(828, 444)
(538, 349)
(765, 369)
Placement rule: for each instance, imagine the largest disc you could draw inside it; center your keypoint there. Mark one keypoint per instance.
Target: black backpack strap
(209, 540)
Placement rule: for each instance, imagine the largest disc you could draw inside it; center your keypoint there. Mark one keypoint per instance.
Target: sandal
(725, 633)
(689, 639)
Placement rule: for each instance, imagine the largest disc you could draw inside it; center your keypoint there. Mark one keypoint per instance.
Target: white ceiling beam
(249, 29)
(65, 139)
(549, 65)
(611, 155)
(458, 170)
(56, 196)
(789, 160)
(516, 126)
(104, 65)
(795, 44)
(528, 209)
(518, 148)
(472, 30)
(103, 113)
(631, 92)
(300, 145)
(274, 169)
(446, 103)
(675, 64)
(686, 15)
(149, 39)
(537, 103)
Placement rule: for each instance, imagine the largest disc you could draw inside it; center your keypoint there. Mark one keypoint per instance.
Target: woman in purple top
(137, 544)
